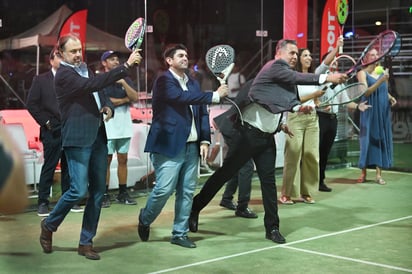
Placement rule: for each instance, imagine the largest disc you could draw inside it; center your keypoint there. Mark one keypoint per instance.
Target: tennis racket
(220, 61)
(384, 42)
(342, 11)
(341, 63)
(135, 34)
(343, 94)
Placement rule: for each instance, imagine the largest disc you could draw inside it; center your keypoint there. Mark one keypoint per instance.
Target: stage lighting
(349, 34)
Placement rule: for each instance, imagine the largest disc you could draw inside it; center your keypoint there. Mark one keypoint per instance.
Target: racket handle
(340, 50)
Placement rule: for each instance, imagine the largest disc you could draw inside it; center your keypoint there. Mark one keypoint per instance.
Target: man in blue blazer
(84, 140)
(179, 133)
(42, 105)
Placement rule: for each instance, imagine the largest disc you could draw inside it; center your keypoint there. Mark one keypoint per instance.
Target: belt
(327, 114)
(256, 130)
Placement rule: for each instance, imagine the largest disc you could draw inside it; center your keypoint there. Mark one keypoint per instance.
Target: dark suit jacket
(274, 86)
(42, 102)
(172, 118)
(230, 119)
(79, 114)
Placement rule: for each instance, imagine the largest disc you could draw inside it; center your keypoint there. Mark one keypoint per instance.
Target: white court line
(349, 259)
(287, 246)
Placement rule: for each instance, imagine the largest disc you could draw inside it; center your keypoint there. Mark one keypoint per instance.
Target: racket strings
(343, 94)
(383, 44)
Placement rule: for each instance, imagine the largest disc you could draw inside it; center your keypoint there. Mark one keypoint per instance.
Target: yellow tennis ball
(379, 70)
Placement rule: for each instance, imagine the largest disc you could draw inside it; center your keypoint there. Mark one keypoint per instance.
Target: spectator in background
(119, 129)
(301, 162)
(375, 137)
(328, 122)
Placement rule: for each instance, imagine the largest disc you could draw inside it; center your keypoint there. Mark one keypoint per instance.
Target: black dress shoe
(228, 204)
(45, 238)
(143, 230)
(193, 221)
(323, 187)
(246, 213)
(183, 241)
(275, 236)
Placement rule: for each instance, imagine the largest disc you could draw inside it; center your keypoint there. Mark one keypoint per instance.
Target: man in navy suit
(42, 105)
(179, 133)
(272, 92)
(82, 105)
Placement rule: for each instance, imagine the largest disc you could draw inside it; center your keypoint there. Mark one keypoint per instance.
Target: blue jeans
(87, 170)
(179, 175)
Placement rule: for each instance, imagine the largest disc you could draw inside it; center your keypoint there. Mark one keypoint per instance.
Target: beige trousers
(301, 159)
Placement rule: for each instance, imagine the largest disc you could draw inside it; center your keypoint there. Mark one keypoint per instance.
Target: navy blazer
(81, 119)
(42, 102)
(274, 86)
(172, 118)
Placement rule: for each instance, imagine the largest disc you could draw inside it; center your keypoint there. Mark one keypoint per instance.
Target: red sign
(295, 21)
(76, 24)
(330, 28)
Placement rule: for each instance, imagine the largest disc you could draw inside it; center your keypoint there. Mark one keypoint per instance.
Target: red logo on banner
(76, 24)
(330, 28)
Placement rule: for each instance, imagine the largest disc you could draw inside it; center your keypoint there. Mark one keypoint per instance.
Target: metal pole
(261, 36)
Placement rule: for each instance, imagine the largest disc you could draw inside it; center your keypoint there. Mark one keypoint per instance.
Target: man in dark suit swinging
(42, 105)
(272, 92)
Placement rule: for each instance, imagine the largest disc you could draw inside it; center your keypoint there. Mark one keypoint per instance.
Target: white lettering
(74, 29)
(331, 37)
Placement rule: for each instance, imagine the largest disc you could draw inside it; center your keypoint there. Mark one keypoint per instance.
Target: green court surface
(356, 228)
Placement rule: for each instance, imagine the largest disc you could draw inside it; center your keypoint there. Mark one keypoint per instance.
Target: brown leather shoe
(45, 238)
(88, 252)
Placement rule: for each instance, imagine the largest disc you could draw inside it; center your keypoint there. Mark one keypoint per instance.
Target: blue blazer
(80, 117)
(172, 118)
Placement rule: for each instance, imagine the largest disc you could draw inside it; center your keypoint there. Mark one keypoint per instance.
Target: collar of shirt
(81, 70)
(182, 80)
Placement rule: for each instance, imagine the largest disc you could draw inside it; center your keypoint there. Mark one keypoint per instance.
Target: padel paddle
(135, 34)
(220, 60)
(342, 11)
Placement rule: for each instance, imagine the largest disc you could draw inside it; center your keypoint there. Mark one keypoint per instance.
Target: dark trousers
(52, 152)
(327, 132)
(243, 182)
(252, 144)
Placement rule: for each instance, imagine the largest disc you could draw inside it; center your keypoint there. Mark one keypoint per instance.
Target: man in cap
(118, 129)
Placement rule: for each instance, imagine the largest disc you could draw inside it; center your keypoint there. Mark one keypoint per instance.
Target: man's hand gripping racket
(133, 40)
